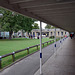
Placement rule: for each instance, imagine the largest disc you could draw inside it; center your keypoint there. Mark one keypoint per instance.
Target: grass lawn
(8, 46)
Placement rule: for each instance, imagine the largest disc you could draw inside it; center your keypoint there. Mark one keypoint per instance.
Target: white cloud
(43, 24)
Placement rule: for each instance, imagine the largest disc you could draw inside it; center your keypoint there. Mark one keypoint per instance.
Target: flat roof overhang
(59, 13)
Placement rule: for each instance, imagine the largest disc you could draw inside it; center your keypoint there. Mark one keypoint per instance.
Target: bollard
(53, 41)
(60, 41)
(47, 43)
(55, 45)
(13, 56)
(50, 41)
(37, 47)
(43, 44)
(0, 62)
(28, 50)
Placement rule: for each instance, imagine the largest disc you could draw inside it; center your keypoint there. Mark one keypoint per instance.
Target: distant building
(36, 32)
(4, 35)
(49, 32)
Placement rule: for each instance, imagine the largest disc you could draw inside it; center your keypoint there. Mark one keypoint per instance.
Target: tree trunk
(10, 35)
(22, 34)
(0, 34)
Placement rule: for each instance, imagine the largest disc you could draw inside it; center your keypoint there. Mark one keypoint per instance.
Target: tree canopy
(35, 26)
(49, 26)
(11, 21)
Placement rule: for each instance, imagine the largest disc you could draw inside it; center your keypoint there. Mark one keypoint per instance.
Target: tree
(11, 21)
(49, 26)
(35, 26)
(53, 27)
(25, 23)
(8, 22)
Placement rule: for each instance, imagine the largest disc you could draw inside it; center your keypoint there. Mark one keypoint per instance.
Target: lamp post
(40, 48)
(55, 41)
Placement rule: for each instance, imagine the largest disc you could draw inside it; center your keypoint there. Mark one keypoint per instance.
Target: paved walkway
(63, 63)
(30, 65)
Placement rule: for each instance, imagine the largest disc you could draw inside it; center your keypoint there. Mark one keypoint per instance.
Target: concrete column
(60, 39)
(35, 34)
(4, 34)
(57, 34)
(27, 34)
(53, 33)
(49, 34)
(32, 33)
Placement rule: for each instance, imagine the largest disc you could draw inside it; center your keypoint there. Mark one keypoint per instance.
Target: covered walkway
(59, 13)
(63, 63)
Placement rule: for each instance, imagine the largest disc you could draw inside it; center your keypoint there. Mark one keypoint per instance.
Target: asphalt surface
(29, 65)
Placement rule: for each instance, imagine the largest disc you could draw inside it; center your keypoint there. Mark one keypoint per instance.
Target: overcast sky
(43, 24)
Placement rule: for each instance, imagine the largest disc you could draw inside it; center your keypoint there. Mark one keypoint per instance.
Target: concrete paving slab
(63, 63)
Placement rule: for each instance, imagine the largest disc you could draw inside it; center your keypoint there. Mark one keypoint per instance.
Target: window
(51, 33)
(61, 33)
(58, 33)
(34, 33)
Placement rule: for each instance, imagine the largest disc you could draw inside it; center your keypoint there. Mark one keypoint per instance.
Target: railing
(13, 53)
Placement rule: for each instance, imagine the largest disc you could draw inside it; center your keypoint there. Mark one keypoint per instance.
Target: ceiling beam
(58, 15)
(69, 5)
(42, 3)
(18, 1)
(59, 8)
(22, 1)
(55, 11)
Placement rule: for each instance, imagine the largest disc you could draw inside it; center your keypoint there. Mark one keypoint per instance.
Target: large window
(4, 34)
(51, 33)
(61, 33)
(33, 33)
(58, 33)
